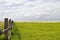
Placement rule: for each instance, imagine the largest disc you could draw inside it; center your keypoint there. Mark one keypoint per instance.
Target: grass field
(37, 31)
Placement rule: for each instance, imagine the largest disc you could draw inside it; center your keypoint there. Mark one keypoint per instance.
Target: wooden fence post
(10, 26)
(6, 26)
(12, 22)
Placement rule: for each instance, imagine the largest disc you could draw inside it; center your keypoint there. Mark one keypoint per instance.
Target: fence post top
(6, 18)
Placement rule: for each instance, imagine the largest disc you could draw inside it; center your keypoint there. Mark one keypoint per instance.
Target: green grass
(1, 27)
(36, 31)
(39, 31)
(1, 24)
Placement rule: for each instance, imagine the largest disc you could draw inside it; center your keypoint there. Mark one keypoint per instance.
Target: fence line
(8, 26)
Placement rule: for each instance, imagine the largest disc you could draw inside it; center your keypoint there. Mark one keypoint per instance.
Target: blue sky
(30, 10)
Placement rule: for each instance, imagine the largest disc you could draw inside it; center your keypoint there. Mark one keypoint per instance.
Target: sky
(30, 10)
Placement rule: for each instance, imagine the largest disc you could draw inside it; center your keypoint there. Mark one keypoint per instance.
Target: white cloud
(30, 9)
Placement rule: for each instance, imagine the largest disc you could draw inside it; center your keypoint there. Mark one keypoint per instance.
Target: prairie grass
(36, 31)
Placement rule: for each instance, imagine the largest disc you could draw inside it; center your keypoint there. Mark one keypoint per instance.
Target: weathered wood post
(12, 22)
(6, 26)
(10, 26)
